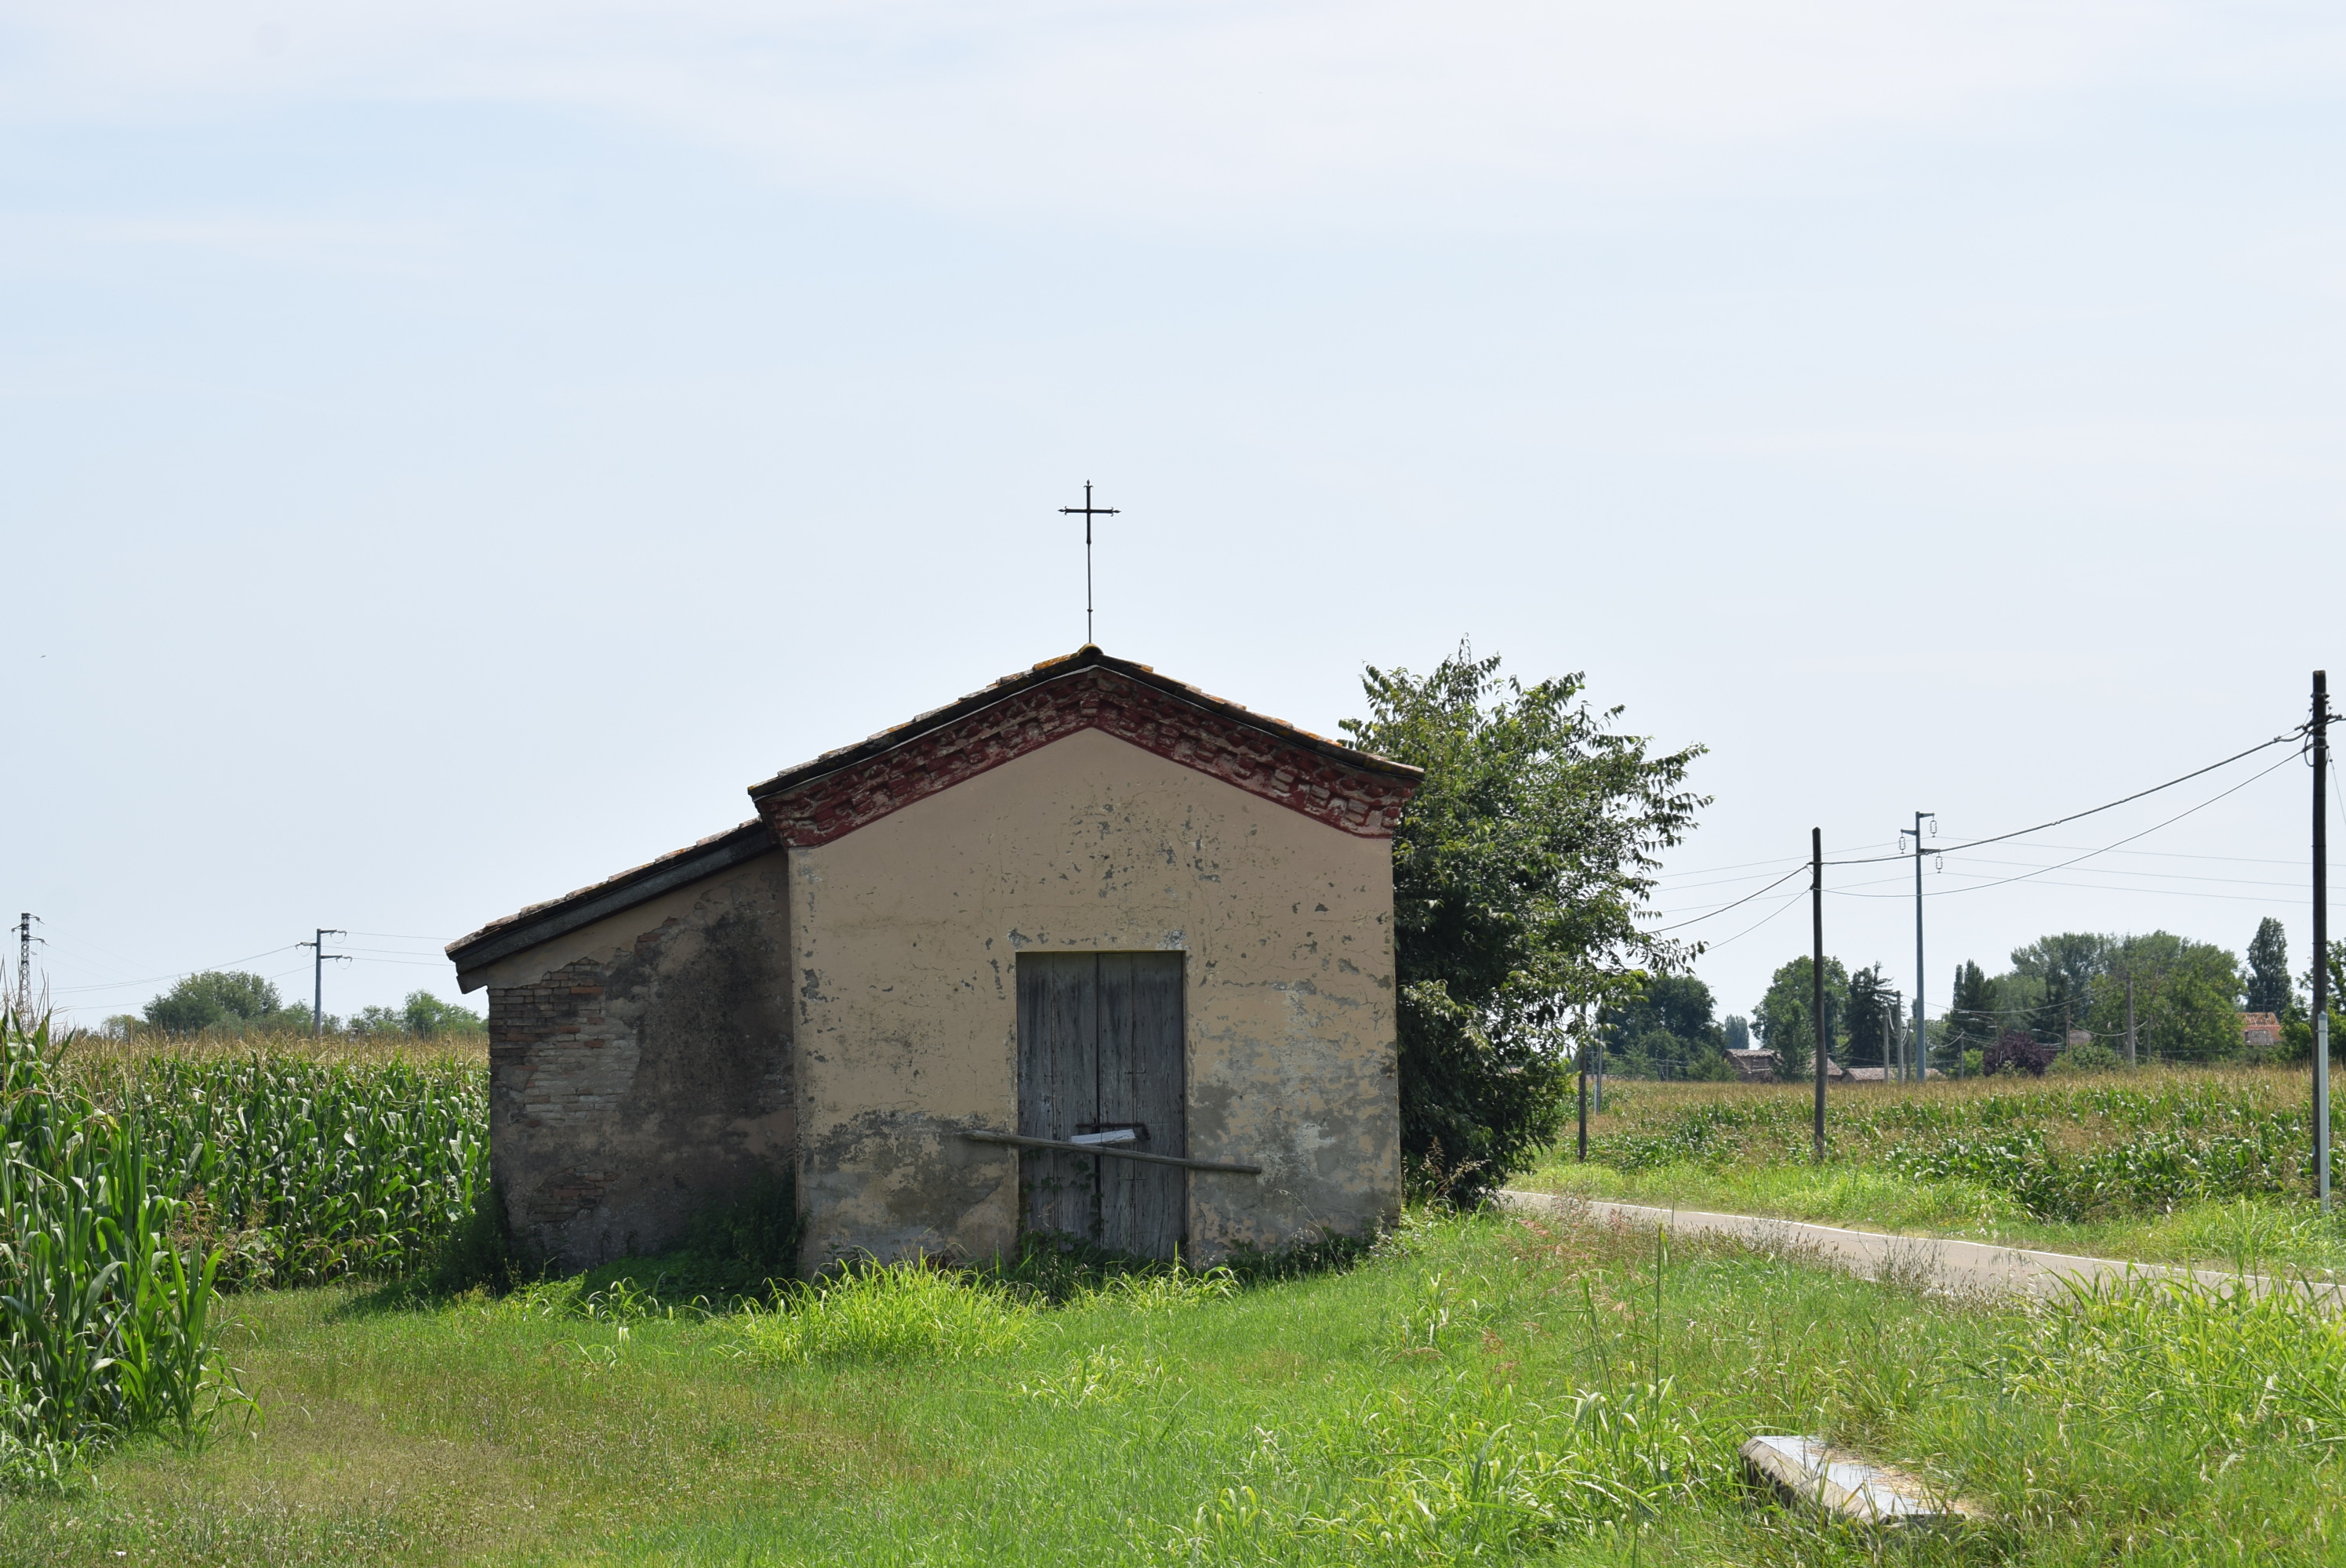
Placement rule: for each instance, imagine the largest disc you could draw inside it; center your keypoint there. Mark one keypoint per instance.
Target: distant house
(1764, 1066)
(1883, 1075)
(2260, 1030)
(2076, 1037)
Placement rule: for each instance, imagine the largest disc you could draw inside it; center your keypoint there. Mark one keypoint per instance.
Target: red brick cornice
(1298, 773)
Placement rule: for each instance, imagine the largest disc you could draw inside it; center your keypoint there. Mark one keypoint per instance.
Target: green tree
(422, 1015)
(2186, 998)
(1785, 1019)
(2269, 986)
(428, 1017)
(1664, 1030)
(1519, 870)
(2297, 1027)
(1738, 1030)
(218, 999)
(1872, 1018)
(1971, 1023)
(2066, 964)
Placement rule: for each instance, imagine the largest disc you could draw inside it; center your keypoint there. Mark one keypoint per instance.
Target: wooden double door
(1100, 1049)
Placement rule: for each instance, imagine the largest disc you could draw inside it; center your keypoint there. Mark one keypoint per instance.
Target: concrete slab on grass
(1808, 1471)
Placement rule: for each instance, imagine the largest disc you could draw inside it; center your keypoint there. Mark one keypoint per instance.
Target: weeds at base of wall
(1056, 1268)
(740, 1249)
(480, 1254)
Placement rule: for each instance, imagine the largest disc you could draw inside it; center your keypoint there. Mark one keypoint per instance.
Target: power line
(1776, 860)
(2162, 876)
(2171, 855)
(2130, 838)
(1722, 909)
(180, 973)
(2266, 899)
(1755, 925)
(2106, 806)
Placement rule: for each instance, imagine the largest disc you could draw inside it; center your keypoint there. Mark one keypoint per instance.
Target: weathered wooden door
(1100, 1048)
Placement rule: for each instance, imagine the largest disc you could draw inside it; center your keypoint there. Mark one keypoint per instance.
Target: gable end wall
(1263, 764)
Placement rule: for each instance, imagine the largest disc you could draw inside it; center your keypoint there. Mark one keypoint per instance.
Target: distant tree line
(2187, 998)
(232, 1001)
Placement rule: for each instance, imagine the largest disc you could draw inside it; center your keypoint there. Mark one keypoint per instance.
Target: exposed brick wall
(823, 808)
(551, 1047)
(630, 1089)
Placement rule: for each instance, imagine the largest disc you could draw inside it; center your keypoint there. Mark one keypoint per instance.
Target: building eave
(539, 923)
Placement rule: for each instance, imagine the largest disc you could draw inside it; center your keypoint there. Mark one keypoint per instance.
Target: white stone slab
(1809, 1471)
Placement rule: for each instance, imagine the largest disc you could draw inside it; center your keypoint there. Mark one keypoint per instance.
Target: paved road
(1955, 1266)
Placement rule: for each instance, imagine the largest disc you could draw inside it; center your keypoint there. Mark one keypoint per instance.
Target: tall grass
(873, 1311)
(106, 1325)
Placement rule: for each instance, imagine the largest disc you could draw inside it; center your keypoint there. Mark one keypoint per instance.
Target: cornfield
(133, 1184)
(303, 1171)
(2111, 1145)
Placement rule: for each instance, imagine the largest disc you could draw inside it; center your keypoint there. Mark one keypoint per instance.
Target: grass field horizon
(2202, 1166)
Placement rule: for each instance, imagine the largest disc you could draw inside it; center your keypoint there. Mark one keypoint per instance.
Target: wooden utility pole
(1919, 1057)
(1584, 1101)
(1817, 968)
(2130, 1013)
(2322, 937)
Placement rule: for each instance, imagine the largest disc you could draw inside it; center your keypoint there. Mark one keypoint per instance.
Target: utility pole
(2322, 937)
(318, 982)
(1584, 1100)
(1919, 1060)
(1817, 970)
(2129, 1014)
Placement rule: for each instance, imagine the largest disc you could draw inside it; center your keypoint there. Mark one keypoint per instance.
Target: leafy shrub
(2015, 1050)
(2088, 1056)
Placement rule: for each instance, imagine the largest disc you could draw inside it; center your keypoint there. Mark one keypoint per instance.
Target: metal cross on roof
(1088, 512)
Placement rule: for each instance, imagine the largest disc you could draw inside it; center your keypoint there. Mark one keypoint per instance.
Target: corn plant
(106, 1328)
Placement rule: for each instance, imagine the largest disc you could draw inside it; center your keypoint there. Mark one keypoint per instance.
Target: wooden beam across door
(1110, 1150)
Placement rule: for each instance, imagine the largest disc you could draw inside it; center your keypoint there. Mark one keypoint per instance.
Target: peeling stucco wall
(906, 933)
(639, 1067)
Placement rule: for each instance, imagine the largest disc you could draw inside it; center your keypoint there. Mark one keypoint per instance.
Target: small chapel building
(1088, 951)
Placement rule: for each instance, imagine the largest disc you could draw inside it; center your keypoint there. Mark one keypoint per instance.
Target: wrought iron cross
(1088, 512)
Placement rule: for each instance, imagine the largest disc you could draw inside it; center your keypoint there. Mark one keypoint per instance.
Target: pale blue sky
(450, 451)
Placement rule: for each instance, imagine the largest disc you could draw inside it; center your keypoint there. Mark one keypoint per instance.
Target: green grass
(2202, 1167)
(1484, 1389)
